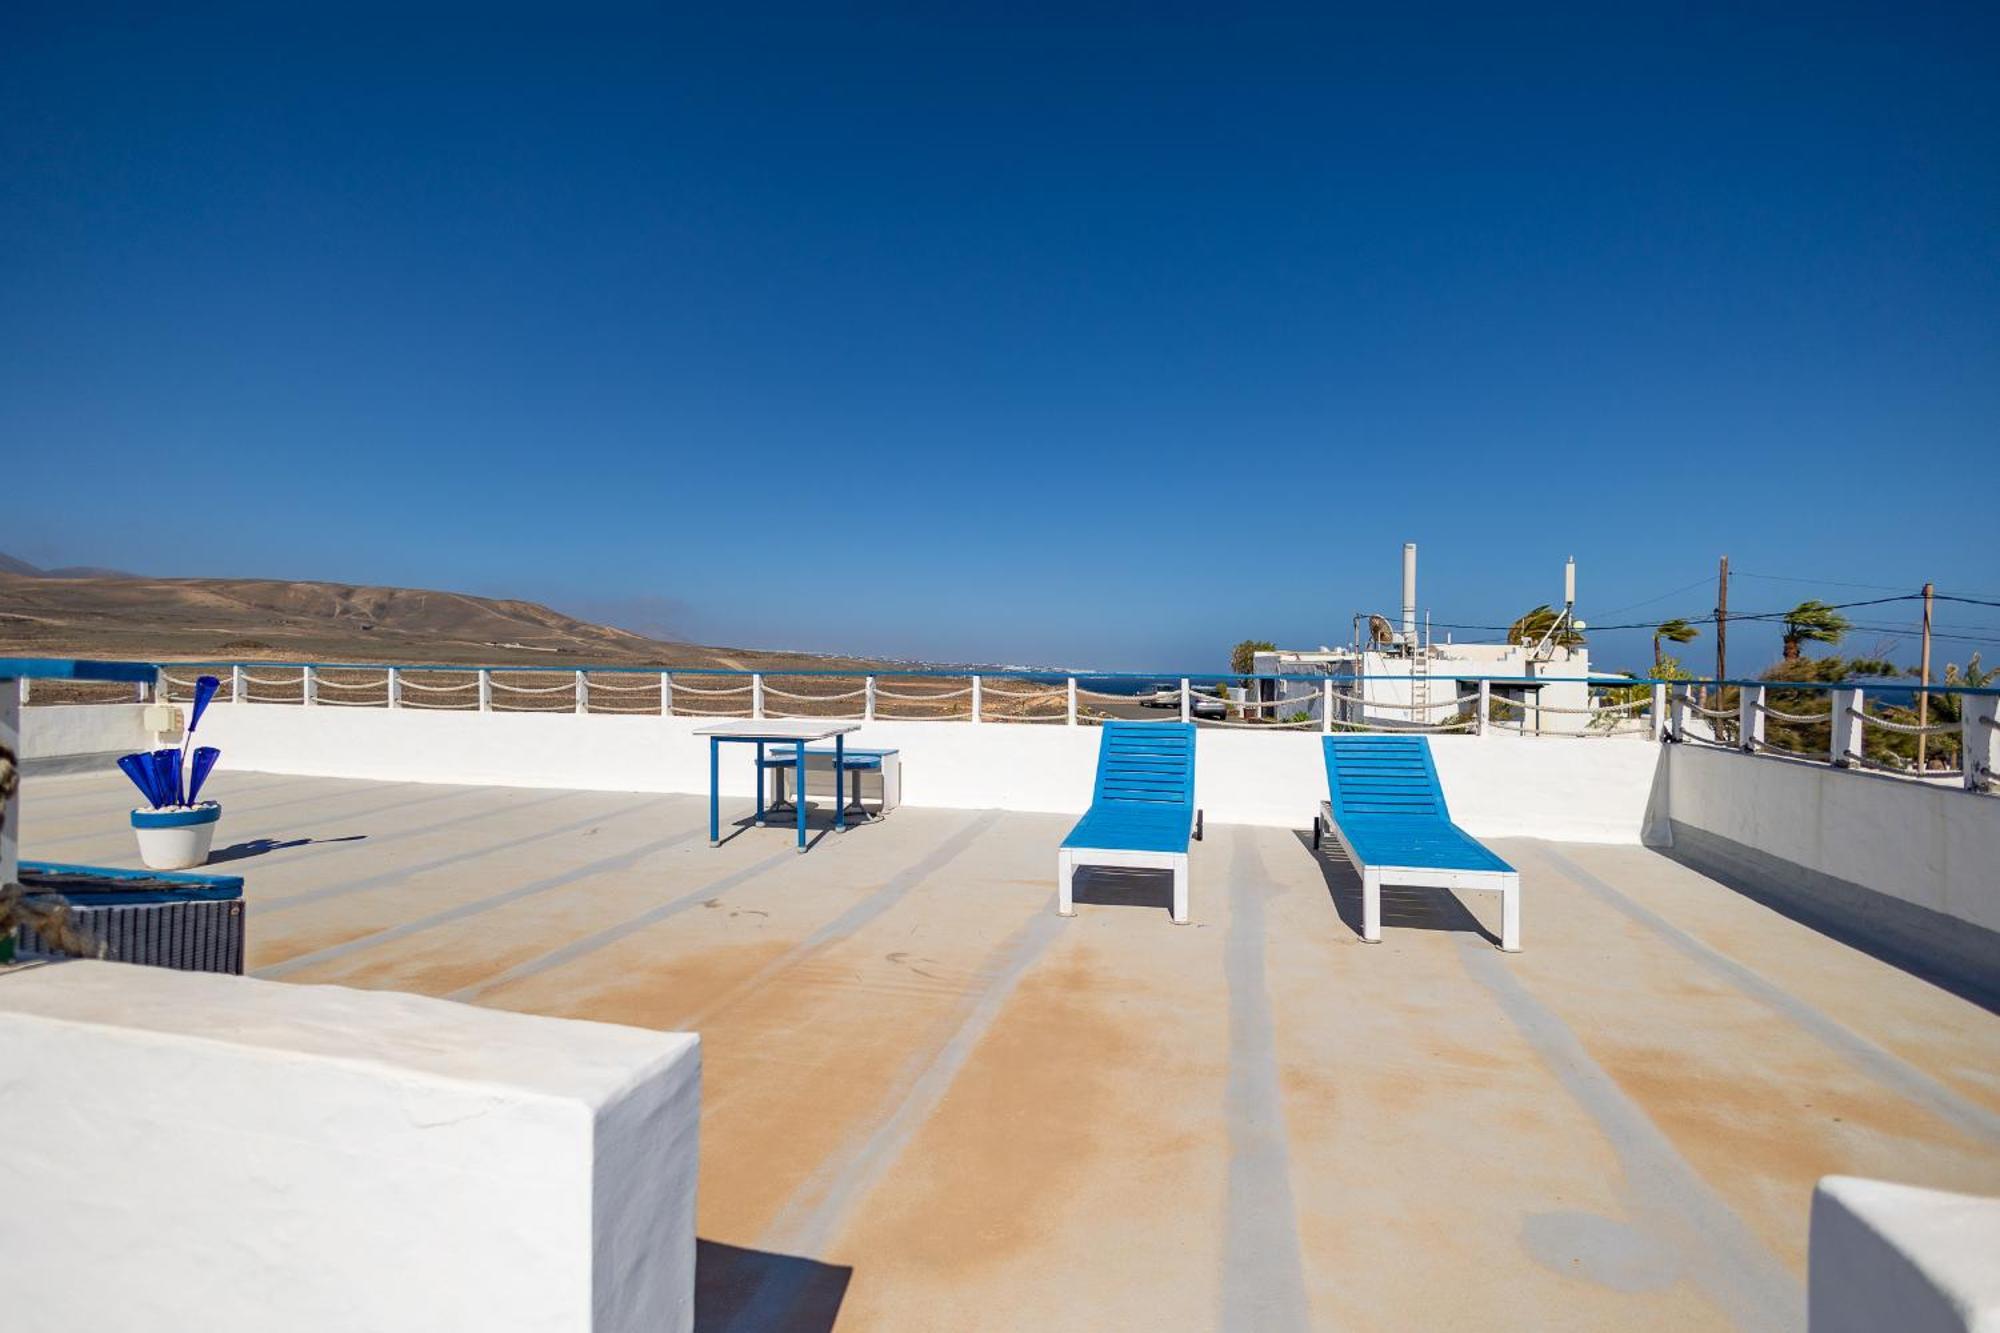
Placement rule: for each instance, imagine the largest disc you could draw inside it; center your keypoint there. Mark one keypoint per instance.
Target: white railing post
(582, 692)
(976, 698)
(1750, 717)
(1683, 697)
(24, 691)
(1072, 700)
(756, 694)
(1979, 742)
(1844, 749)
(238, 693)
(1485, 706)
(395, 688)
(868, 699)
(308, 686)
(160, 695)
(666, 694)
(1187, 703)
(1656, 712)
(485, 690)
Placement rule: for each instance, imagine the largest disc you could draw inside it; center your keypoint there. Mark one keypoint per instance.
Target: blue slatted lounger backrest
(1147, 764)
(1383, 777)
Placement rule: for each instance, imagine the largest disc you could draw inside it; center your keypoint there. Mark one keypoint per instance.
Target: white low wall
(1933, 847)
(53, 731)
(1895, 1257)
(1596, 790)
(193, 1151)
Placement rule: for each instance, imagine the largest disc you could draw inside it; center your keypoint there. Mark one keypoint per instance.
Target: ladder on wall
(1420, 684)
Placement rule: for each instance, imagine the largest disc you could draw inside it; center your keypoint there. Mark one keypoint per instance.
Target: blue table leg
(839, 783)
(800, 796)
(714, 771)
(760, 784)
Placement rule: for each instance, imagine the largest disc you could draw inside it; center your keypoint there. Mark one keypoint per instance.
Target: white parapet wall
(1829, 831)
(1584, 790)
(1895, 1257)
(56, 731)
(196, 1151)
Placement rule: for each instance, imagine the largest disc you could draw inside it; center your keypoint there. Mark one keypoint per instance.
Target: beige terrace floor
(930, 1103)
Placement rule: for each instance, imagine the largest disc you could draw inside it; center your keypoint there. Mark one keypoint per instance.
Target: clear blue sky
(1027, 337)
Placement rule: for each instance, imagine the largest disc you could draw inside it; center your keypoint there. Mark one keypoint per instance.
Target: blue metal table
(796, 733)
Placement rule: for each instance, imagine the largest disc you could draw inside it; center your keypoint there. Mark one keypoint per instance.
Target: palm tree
(1531, 627)
(1673, 631)
(1812, 621)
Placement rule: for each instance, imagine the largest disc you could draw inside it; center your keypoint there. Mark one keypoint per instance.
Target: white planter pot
(176, 838)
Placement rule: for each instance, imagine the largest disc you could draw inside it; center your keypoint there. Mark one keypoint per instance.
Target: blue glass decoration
(139, 768)
(167, 771)
(204, 759)
(204, 690)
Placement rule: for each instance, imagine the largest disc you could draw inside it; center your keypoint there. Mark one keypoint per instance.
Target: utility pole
(1722, 623)
(1924, 675)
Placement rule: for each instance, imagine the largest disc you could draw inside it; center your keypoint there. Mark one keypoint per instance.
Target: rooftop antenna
(1410, 594)
(1556, 626)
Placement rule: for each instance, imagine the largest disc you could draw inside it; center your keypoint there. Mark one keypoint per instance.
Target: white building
(1403, 678)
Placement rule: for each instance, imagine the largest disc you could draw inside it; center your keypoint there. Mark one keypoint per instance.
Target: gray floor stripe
(844, 925)
(591, 943)
(1717, 1251)
(462, 911)
(1890, 1070)
(388, 878)
(231, 811)
(1263, 1272)
(846, 1175)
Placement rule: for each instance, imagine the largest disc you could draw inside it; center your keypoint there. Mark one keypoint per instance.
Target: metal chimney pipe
(1409, 592)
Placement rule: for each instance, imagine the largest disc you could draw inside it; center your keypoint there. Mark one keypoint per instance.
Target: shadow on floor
(1122, 886)
(259, 846)
(1953, 955)
(1402, 908)
(727, 1277)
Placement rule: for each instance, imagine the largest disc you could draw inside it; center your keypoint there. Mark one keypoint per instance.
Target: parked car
(1207, 705)
(1161, 696)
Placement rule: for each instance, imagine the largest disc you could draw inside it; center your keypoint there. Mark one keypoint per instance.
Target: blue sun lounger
(1142, 811)
(1388, 811)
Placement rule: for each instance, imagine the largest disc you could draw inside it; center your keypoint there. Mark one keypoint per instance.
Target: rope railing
(1905, 728)
(600, 687)
(328, 684)
(409, 684)
(679, 688)
(773, 692)
(881, 693)
(450, 706)
(563, 688)
(1803, 719)
(1763, 746)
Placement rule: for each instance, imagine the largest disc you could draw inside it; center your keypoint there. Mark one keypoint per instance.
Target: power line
(1701, 582)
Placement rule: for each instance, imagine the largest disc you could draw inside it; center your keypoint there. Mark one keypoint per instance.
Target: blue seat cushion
(1425, 844)
(1128, 828)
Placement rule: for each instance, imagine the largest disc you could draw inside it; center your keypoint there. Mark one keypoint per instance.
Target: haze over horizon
(1020, 337)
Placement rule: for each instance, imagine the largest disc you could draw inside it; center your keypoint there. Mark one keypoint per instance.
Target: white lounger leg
(1371, 906)
(1065, 872)
(1510, 914)
(1180, 890)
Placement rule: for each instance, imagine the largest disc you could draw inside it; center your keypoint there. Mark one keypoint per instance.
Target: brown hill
(194, 619)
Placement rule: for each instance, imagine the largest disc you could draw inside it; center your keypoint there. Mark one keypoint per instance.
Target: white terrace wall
(1910, 870)
(1594, 790)
(53, 731)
